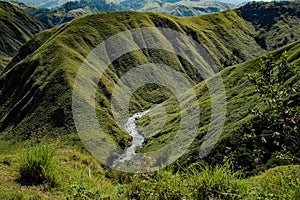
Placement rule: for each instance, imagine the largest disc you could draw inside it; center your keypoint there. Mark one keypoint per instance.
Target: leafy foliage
(79, 191)
(278, 92)
(271, 137)
(276, 128)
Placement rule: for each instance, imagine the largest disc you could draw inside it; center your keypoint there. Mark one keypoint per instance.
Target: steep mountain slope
(213, 6)
(16, 28)
(241, 97)
(69, 10)
(276, 24)
(46, 66)
(46, 3)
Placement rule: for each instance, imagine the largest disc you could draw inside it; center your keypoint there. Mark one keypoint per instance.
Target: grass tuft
(36, 166)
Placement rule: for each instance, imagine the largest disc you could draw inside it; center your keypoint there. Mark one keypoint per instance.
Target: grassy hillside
(35, 106)
(4, 60)
(46, 66)
(16, 28)
(77, 175)
(241, 97)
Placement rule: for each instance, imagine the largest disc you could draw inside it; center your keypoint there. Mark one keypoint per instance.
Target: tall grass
(201, 181)
(81, 178)
(219, 182)
(36, 165)
(197, 182)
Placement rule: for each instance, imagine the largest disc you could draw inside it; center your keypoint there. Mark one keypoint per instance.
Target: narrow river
(137, 138)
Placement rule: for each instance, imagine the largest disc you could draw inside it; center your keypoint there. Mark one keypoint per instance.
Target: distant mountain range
(58, 3)
(55, 12)
(180, 8)
(73, 9)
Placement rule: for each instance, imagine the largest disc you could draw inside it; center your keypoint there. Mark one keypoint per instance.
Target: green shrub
(36, 165)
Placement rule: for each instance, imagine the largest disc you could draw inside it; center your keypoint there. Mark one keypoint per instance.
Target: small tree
(277, 83)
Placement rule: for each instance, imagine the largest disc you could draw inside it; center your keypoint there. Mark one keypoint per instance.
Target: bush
(277, 84)
(277, 183)
(36, 166)
(273, 135)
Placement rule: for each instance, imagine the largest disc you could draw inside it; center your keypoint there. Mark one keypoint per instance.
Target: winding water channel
(137, 138)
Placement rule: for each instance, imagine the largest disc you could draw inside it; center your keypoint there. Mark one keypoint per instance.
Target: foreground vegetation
(78, 176)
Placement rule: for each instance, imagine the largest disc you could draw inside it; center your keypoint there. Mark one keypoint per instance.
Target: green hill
(36, 107)
(45, 68)
(241, 97)
(17, 27)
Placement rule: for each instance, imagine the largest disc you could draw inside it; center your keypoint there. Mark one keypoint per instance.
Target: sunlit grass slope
(241, 98)
(46, 66)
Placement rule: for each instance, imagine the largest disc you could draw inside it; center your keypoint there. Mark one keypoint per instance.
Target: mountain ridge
(73, 9)
(216, 32)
